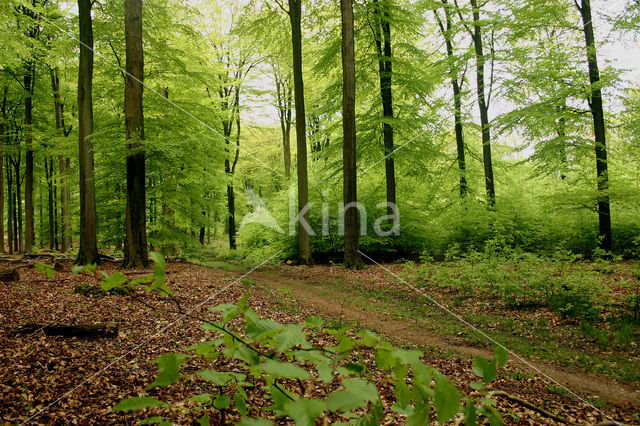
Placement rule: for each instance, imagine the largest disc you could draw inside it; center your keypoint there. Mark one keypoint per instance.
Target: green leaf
(419, 417)
(208, 349)
(316, 322)
(368, 338)
(447, 398)
(221, 402)
(169, 367)
(142, 280)
(114, 280)
(160, 284)
(406, 356)
(84, 268)
(246, 354)
(260, 328)
(215, 377)
(254, 422)
(203, 398)
(159, 266)
(501, 355)
(483, 368)
(204, 420)
(470, 414)
(227, 311)
(325, 372)
(476, 385)
(403, 394)
(284, 369)
(345, 401)
(152, 421)
(292, 336)
(362, 387)
(494, 416)
(45, 270)
(305, 411)
(240, 404)
(138, 403)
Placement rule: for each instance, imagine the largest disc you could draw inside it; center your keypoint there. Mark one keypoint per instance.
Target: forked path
(332, 304)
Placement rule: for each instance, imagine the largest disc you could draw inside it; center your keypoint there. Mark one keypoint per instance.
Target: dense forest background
(487, 124)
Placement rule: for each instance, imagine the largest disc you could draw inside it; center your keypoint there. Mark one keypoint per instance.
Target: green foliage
(282, 360)
(45, 270)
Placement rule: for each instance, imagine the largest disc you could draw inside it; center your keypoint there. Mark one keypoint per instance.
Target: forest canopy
(213, 124)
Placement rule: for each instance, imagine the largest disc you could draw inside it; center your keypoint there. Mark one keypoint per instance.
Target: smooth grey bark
(88, 250)
(352, 258)
(385, 70)
(304, 239)
(599, 129)
(456, 86)
(136, 252)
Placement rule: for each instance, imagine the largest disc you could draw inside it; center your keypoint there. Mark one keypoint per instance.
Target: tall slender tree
(304, 239)
(63, 160)
(2, 147)
(599, 129)
(352, 258)
(483, 99)
(284, 101)
(382, 35)
(88, 250)
(33, 31)
(456, 84)
(135, 247)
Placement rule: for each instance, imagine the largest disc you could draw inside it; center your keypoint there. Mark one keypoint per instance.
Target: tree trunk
(62, 162)
(10, 234)
(483, 106)
(89, 331)
(457, 96)
(48, 166)
(135, 248)
(88, 251)
(29, 83)
(18, 203)
(304, 239)
(3, 144)
(352, 258)
(284, 101)
(385, 70)
(597, 110)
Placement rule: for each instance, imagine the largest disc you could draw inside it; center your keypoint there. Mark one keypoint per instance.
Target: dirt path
(331, 304)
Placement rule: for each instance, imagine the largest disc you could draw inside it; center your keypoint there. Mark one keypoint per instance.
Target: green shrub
(278, 362)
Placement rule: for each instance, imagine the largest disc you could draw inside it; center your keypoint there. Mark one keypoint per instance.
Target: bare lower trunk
(135, 249)
(457, 96)
(597, 110)
(352, 258)
(304, 239)
(88, 250)
(63, 163)
(483, 106)
(385, 70)
(28, 177)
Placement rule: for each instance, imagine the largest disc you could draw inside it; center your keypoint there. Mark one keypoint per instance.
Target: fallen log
(9, 275)
(89, 331)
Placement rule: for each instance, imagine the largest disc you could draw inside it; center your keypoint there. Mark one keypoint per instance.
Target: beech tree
(88, 250)
(483, 97)
(382, 35)
(304, 239)
(457, 82)
(352, 258)
(597, 111)
(135, 247)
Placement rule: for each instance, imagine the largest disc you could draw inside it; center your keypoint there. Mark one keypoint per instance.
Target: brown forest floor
(86, 378)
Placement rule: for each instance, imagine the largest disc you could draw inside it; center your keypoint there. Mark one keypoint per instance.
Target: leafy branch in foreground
(282, 364)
